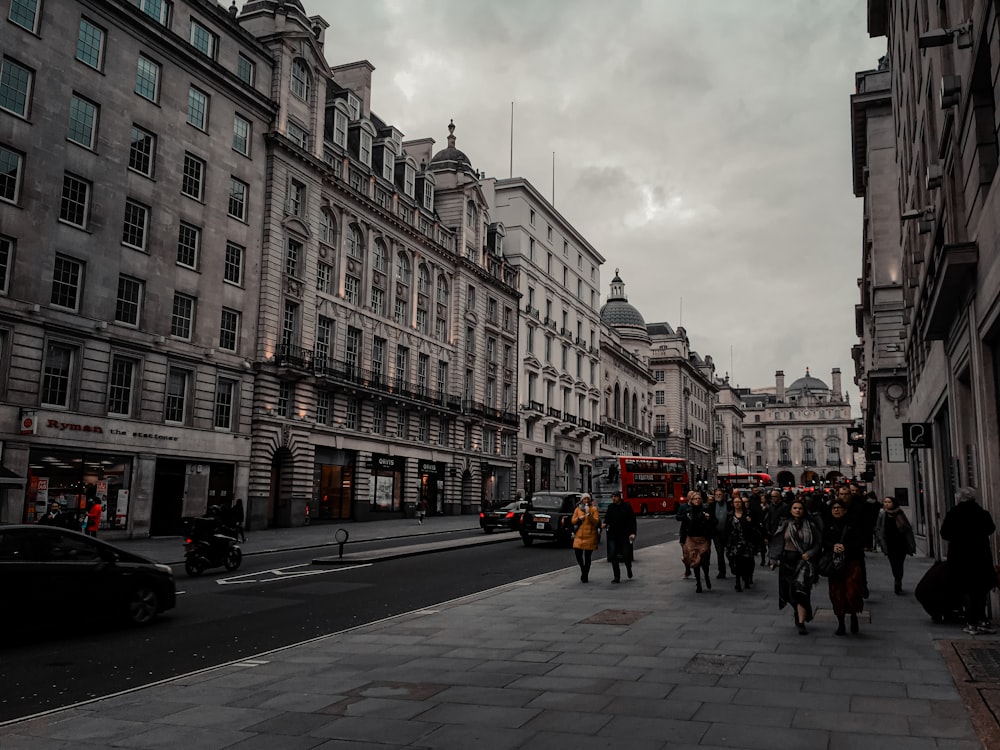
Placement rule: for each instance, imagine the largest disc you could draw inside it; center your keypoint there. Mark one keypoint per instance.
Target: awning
(10, 480)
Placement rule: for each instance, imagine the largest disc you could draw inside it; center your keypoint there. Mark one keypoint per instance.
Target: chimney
(779, 386)
(835, 377)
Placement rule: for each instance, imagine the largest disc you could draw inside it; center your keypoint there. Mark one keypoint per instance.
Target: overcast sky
(702, 146)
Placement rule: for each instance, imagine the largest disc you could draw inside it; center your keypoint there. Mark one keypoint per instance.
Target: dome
(617, 312)
(807, 383)
(451, 153)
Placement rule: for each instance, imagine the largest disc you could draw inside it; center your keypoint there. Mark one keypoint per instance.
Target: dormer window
(388, 162)
(354, 105)
(365, 149)
(301, 80)
(428, 195)
(470, 214)
(409, 180)
(340, 128)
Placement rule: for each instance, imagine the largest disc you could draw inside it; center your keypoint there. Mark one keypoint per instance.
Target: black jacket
(699, 522)
(620, 521)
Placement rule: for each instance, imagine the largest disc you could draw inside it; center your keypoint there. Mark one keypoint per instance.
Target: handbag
(832, 562)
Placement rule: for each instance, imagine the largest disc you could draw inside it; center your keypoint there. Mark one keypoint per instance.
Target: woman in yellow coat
(586, 521)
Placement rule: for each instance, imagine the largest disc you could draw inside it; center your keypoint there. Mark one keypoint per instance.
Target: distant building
(797, 434)
(730, 441)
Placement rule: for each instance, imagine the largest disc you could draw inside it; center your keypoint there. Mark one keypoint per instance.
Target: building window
(293, 254)
(327, 228)
(351, 414)
(135, 225)
(147, 79)
(658, 375)
(661, 398)
(355, 246)
(423, 364)
(352, 289)
(74, 206)
(121, 383)
(67, 280)
(24, 13)
(401, 312)
(225, 392)
(402, 424)
(340, 128)
(409, 183)
(388, 163)
(296, 198)
(378, 301)
(229, 329)
(246, 70)
(188, 245)
(424, 429)
(233, 268)
(290, 325)
(175, 404)
(365, 148)
(298, 135)
(324, 278)
(15, 87)
(6, 259)
(11, 163)
(323, 407)
(203, 40)
(378, 419)
(241, 135)
(182, 317)
(129, 301)
(193, 177)
(301, 79)
(142, 151)
(158, 10)
(197, 111)
(352, 350)
(56, 374)
(82, 122)
(324, 339)
(378, 359)
(238, 199)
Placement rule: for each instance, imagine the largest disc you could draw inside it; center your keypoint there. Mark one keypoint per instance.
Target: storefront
(333, 495)
(431, 491)
(71, 478)
(385, 488)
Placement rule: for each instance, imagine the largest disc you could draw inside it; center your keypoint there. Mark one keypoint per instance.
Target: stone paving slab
(719, 670)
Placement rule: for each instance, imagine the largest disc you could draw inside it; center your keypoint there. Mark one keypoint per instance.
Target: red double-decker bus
(748, 481)
(650, 484)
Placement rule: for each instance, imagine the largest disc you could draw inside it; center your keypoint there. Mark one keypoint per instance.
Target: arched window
(635, 411)
(625, 409)
(379, 256)
(327, 228)
(301, 79)
(808, 451)
(355, 243)
(618, 402)
(402, 269)
(783, 450)
(470, 214)
(423, 280)
(442, 291)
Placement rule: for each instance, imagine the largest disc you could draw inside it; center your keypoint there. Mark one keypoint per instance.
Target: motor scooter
(208, 543)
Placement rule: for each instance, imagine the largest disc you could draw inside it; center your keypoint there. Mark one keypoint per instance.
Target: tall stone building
(559, 342)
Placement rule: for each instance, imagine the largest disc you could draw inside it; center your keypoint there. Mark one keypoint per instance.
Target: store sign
(434, 468)
(120, 431)
(917, 435)
(381, 462)
(28, 424)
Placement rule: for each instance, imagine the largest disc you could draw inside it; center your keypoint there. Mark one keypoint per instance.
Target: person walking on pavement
(794, 546)
(682, 513)
(586, 522)
(894, 536)
(718, 507)
(742, 542)
(237, 515)
(697, 531)
(771, 517)
(93, 520)
(619, 521)
(844, 546)
(421, 510)
(967, 528)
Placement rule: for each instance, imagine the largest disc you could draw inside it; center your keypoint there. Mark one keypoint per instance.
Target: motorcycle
(208, 543)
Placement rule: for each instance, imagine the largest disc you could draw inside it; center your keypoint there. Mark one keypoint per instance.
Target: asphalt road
(285, 601)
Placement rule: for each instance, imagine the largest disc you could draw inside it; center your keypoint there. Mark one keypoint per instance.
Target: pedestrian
(742, 543)
(93, 519)
(53, 517)
(237, 515)
(794, 546)
(967, 528)
(843, 552)
(697, 530)
(586, 522)
(682, 513)
(771, 517)
(421, 510)
(718, 507)
(894, 535)
(619, 522)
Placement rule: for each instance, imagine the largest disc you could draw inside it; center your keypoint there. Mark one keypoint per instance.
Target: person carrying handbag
(843, 553)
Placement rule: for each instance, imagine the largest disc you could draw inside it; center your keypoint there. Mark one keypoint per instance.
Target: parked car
(57, 575)
(507, 518)
(549, 517)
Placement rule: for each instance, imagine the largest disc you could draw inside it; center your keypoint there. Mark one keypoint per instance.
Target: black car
(549, 517)
(48, 574)
(507, 518)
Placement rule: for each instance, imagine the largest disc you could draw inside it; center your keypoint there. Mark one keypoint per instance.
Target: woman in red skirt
(846, 546)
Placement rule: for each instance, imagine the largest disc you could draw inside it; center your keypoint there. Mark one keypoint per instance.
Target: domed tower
(450, 158)
(623, 317)
(807, 389)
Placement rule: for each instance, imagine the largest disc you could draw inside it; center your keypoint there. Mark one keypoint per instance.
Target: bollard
(342, 536)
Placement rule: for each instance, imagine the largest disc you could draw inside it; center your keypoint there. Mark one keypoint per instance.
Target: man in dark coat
(719, 509)
(619, 521)
(967, 528)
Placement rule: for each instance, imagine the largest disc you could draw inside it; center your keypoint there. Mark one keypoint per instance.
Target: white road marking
(283, 574)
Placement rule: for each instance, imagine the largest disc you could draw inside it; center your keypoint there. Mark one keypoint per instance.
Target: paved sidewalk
(170, 549)
(554, 663)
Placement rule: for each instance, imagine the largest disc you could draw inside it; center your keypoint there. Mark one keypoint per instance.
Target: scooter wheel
(194, 566)
(234, 558)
